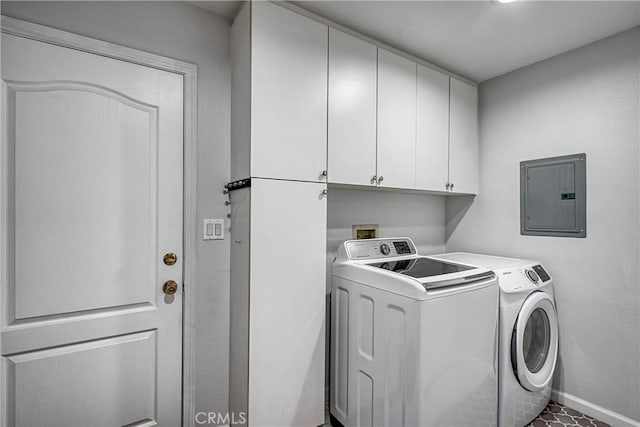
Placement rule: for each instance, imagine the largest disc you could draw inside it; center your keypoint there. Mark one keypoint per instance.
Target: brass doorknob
(170, 287)
(170, 258)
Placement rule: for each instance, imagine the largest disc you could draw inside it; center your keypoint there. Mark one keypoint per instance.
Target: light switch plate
(212, 229)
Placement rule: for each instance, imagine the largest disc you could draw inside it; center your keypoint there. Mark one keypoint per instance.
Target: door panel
(396, 120)
(353, 74)
(94, 182)
(287, 303)
(126, 363)
(463, 138)
(91, 179)
(432, 130)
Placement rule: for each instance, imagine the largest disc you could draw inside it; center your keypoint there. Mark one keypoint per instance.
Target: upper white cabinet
(463, 138)
(279, 84)
(396, 120)
(432, 130)
(352, 110)
(311, 103)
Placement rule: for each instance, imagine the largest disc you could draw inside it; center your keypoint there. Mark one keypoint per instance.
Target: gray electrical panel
(553, 196)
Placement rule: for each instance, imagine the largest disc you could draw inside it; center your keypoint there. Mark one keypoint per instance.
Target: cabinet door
(287, 303)
(463, 139)
(396, 120)
(352, 109)
(432, 130)
(289, 94)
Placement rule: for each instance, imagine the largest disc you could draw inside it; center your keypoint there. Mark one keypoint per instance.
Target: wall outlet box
(364, 231)
(212, 229)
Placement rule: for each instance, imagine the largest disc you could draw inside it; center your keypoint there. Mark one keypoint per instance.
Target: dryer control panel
(541, 272)
(379, 248)
(523, 278)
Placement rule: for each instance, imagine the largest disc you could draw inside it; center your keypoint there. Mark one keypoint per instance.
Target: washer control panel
(379, 248)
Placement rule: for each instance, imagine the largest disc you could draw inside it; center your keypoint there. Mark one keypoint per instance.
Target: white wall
(191, 34)
(586, 100)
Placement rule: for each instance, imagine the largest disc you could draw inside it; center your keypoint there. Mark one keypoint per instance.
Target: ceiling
(228, 8)
(478, 39)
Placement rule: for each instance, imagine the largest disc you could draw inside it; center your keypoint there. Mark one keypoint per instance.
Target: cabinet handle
(374, 179)
(380, 179)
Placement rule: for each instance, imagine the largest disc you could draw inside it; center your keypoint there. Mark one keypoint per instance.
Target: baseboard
(588, 408)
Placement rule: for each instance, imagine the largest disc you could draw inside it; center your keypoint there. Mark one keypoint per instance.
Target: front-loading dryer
(528, 342)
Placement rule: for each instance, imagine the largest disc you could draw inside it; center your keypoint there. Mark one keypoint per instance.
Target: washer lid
(421, 267)
(534, 344)
(433, 273)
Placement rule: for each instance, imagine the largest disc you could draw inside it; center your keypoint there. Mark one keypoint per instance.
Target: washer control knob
(532, 275)
(385, 249)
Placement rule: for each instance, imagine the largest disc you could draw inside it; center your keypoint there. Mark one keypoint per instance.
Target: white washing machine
(528, 335)
(413, 339)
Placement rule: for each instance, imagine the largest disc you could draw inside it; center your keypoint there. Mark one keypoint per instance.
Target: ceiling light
(503, 1)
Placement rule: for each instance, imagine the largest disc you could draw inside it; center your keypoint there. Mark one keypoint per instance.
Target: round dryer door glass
(536, 340)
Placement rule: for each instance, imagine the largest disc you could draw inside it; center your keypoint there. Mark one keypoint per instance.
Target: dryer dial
(532, 275)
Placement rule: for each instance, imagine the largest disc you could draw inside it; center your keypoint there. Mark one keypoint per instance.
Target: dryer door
(534, 343)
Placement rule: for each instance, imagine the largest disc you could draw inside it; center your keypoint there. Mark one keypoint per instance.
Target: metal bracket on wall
(237, 185)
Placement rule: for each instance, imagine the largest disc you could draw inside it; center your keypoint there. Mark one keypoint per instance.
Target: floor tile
(558, 415)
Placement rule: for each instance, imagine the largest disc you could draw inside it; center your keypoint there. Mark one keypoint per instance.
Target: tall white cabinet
(278, 217)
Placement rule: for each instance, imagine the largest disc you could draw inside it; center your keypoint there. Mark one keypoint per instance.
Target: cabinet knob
(451, 187)
(324, 193)
(323, 175)
(374, 179)
(380, 179)
(447, 186)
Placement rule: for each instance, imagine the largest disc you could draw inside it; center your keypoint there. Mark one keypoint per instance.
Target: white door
(91, 179)
(396, 120)
(353, 74)
(463, 139)
(432, 130)
(535, 342)
(288, 94)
